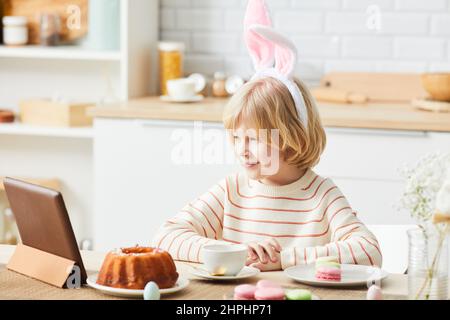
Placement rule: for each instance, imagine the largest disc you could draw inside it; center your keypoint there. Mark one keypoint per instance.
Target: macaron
(244, 292)
(328, 260)
(298, 294)
(269, 294)
(328, 264)
(267, 284)
(328, 273)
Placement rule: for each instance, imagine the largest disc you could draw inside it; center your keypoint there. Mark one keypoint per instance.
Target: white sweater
(310, 218)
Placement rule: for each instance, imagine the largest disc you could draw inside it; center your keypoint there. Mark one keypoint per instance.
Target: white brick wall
(341, 35)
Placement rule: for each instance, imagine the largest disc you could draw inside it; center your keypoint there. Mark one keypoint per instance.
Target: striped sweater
(310, 218)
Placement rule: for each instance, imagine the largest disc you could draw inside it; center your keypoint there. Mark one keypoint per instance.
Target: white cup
(183, 88)
(224, 259)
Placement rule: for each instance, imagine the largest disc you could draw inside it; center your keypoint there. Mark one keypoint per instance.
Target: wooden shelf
(28, 130)
(61, 53)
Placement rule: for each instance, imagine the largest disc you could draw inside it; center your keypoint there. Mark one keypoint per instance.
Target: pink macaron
(244, 292)
(267, 284)
(328, 273)
(269, 294)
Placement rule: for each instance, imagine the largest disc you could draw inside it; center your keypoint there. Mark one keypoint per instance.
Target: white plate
(246, 272)
(132, 293)
(196, 98)
(352, 275)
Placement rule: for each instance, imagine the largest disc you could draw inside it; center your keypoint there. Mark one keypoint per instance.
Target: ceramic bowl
(437, 85)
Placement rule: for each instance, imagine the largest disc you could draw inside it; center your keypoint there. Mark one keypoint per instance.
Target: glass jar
(170, 63)
(428, 264)
(15, 30)
(50, 28)
(219, 85)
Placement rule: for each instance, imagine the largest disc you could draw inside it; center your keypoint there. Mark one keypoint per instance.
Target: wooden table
(14, 286)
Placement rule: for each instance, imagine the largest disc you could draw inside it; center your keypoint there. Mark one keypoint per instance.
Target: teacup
(183, 88)
(224, 259)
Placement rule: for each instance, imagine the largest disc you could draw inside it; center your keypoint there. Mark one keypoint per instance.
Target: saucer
(246, 272)
(133, 293)
(196, 98)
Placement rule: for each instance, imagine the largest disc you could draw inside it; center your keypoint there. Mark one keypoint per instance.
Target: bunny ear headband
(273, 55)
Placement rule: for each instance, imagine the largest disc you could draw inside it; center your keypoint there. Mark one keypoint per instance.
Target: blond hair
(267, 104)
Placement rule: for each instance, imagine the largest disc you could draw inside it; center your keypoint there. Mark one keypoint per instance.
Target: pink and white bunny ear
(285, 50)
(268, 47)
(262, 51)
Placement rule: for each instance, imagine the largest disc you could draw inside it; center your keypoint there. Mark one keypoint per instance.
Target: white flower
(423, 182)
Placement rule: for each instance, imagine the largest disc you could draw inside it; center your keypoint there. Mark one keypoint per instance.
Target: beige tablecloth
(16, 286)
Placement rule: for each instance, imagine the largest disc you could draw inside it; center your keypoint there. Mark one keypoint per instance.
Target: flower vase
(428, 264)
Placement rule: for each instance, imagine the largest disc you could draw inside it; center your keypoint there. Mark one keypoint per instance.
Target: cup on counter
(180, 89)
(224, 259)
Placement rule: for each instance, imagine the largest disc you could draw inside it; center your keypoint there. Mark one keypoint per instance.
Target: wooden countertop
(209, 109)
(392, 116)
(15, 286)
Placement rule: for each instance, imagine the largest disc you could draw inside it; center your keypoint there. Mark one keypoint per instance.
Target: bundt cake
(133, 268)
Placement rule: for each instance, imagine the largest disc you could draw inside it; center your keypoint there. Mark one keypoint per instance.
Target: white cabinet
(365, 164)
(373, 154)
(139, 183)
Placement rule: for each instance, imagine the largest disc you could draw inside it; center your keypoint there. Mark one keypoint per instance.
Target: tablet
(42, 220)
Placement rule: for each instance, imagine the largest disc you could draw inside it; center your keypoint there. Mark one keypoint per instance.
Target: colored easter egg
(151, 291)
(374, 293)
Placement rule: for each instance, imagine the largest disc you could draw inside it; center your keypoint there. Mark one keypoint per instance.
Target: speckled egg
(151, 291)
(374, 293)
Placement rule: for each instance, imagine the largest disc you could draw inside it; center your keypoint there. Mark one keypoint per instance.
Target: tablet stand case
(41, 265)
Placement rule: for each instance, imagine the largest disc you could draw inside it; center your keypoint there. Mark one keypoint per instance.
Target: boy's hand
(264, 255)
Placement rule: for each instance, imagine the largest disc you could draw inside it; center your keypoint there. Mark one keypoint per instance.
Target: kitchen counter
(15, 286)
(210, 109)
(391, 116)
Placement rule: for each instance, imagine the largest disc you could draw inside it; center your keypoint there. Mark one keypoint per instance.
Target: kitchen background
(331, 35)
(116, 171)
